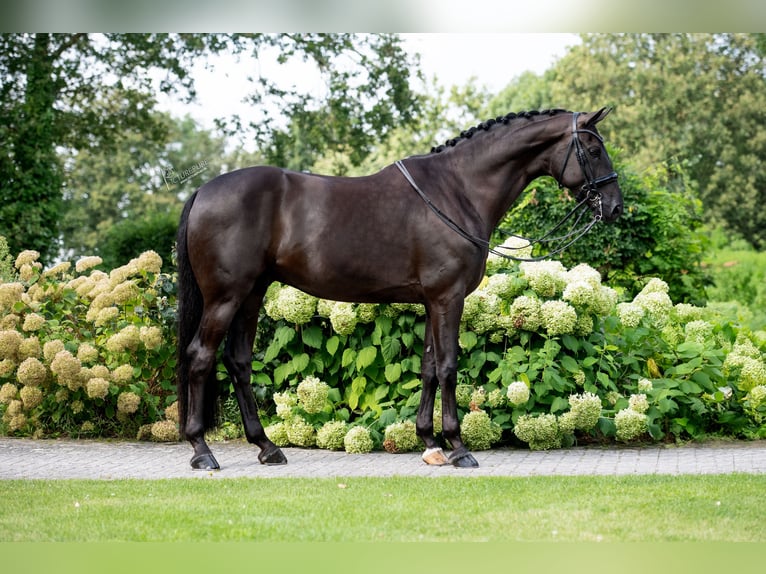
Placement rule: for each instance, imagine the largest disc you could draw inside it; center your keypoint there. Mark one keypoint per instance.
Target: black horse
(415, 232)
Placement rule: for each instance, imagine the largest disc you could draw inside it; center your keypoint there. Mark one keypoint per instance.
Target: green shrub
(739, 278)
(86, 353)
(129, 238)
(548, 355)
(658, 235)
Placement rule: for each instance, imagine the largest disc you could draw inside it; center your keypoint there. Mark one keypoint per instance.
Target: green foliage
(130, 237)
(548, 355)
(659, 234)
(739, 280)
(7, 272)
(693, 98)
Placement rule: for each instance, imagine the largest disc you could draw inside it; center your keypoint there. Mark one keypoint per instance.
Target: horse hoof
(435, 457)
(272, 456)
(463, 459)
(204, 461)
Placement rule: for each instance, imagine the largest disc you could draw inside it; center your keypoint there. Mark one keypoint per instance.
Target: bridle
(589, 192)
(592, 184)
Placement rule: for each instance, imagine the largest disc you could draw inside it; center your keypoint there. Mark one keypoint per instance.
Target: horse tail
(189, 315)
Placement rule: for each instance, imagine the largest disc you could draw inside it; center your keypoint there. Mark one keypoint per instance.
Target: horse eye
(595, 152)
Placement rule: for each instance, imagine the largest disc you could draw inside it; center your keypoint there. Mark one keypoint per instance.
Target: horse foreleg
(445, 325)
(238, 359)
(424, 423)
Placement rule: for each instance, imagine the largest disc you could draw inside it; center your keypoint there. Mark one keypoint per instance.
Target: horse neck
(495, 166)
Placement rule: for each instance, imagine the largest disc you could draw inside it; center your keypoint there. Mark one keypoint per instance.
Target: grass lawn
(723, 508)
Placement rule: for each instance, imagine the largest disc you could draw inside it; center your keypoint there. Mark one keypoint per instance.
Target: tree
(441, 114)
(134, 178)
(82, 91)
(695, 99)
(528, 91)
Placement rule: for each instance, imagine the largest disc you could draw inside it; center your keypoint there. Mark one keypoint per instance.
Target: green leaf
(381, 392)
(272, 351)
(559, 404)
(468, 340)
(393, 372)
(348, 357)
(300, 362)
(284, 335)
(411, 384)
(357, 388)
(571, 343)
(387, 417)
(390, 348)
(332, 345)
(358, 385)
(366, 357)
(570, 364)
(282, 372)
(262, 379)
(408, 339)
(312, 336)
(384, 324)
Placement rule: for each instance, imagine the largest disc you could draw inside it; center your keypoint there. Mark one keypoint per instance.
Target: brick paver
(63, 459)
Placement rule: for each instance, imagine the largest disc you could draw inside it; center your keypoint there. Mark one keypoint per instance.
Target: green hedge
(549, 357)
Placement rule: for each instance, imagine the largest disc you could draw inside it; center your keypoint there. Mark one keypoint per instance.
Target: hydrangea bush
(87, 353)
(549, 357)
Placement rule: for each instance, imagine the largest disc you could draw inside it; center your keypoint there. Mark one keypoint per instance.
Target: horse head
(586, 168)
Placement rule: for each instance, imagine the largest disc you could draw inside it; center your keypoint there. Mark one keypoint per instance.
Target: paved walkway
(62, 459)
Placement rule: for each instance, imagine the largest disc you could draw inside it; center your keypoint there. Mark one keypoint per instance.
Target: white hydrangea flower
(638, 402)
(645, 385)
(502, 285)
(579, 293)
(604, 301)
(525, 313)
(757, 396)
(285, 403)
(513, 246)
(698, 331)
(312, 394)
(483, 311)
(684, 312)
(559, 317)
(657, 306)
(584, 272)
(546, 278)
(630, 424)
(655, 285)
(343, 318)
(517, 393)
(586, 410)
(295, 306)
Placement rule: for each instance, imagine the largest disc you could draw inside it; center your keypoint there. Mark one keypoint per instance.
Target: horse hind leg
(238, 359)
(202, 390)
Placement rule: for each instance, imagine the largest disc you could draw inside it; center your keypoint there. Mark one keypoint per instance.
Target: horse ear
(598, 116)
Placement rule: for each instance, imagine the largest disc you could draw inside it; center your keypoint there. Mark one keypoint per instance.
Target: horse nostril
(616, 211)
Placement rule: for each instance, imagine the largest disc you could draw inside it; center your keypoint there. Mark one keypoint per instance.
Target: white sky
(493, 59)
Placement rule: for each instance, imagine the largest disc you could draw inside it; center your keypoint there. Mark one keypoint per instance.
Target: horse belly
(344, 268)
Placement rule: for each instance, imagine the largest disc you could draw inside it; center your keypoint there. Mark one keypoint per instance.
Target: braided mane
(486, 125)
